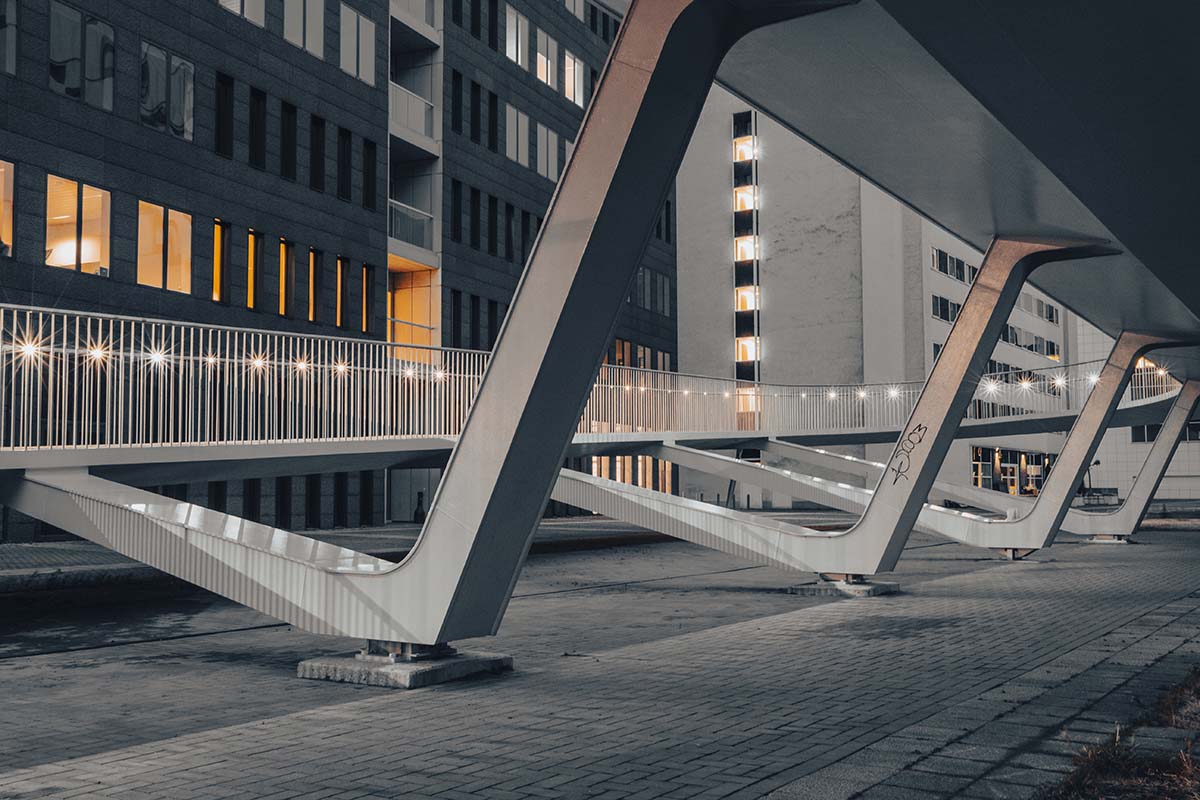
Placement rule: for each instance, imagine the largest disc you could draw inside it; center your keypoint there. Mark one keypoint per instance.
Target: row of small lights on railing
(161, 358)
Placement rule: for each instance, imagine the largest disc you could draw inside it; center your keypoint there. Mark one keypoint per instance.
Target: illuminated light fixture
(1059, 381)
(745, 248)
(28, 349)
(301, 365)
(990, 386)
(1025, 384)
(727, 394)
(210, 359)
(410, 372)
(804, 395)
(439, 375)
(686, 392)
(641, 388)
(158, 357)
(1093, 378)
(628, 388)
(258, 362)
(832, 395)
(862, 395)
(743, 148)
(340, 367)
(1161, 372)
(893, 392)
(97, 353)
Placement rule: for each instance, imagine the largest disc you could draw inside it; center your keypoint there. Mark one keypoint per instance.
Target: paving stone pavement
(978, 681)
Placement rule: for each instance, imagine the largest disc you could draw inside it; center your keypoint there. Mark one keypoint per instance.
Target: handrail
(86, 380)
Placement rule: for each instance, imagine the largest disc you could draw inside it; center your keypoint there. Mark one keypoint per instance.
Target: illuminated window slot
(743, 148)
(745, 298)
(745, 198)
(745, 248)
(747, 348)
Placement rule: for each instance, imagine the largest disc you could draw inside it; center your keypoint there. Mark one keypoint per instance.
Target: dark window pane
(99, 65)
(456, 101)
(343, 162)
(182, 97)
(66, 48)
(369, 167)
(153, 105)
(474, 211)
(455, 211)
(8, 36)
(287, 141)
(475, 112)
(258, 128)
(316, 154)
(224, 126)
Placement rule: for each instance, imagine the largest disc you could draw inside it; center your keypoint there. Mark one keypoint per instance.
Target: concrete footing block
(403, 674)
(844, 589)
(1108, 538)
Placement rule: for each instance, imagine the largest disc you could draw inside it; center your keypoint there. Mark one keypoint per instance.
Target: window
(474, 212)
(493, 112)
(341, 287)
(7, 179)
(944, 309)
(493, 312)
(455, 211)
(493, 224)
(456, 318)
(286, 278)
(166, 92)
(253, 260)
(494, 24)
(456, 14)
(576, 8)
(82, 56)
(745, 198)
(476, 18)
(667, 221)
(316, 154)
(287, 141)
(516, 37)
(516, 135)
(745, 248)
(476, 112)
(573, 73)
(314, 285)
(456, 101)
(220, 264)
(474, 323)
(344, 147)
(547, 59)
(224, 124)
(304, 25)
(526, 241)
(358, 45)
(8, 36)
(547, 152)
(743, 148)
(253, 10)
(164, 248)
(77, 226)
(258, 129)
(747, 348)
(370, 172)
(510, 233)
(745, 298)
(368, 298)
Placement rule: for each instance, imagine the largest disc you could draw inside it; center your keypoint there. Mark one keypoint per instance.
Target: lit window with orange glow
(748, 399)
(77, 226)
(253, 257)
(7, 171)
(745, 298)
(746, 348)
(743, 148)
(285, 277)
(745, 198)
(745, 248)
(219, 260)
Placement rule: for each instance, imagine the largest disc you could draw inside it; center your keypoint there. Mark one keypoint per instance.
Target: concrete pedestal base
(1108, 538)
(372, 671)
(844, 589)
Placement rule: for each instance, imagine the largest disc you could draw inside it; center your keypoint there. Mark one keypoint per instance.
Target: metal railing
(409, 110)
(81, 380)
(410, 224)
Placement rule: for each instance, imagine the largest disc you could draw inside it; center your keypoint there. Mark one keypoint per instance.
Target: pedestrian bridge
(92, 403)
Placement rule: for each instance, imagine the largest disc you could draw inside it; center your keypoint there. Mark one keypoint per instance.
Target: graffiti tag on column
(902, 458)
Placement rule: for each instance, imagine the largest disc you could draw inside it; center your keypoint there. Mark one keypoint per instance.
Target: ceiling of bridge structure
(1061, 118)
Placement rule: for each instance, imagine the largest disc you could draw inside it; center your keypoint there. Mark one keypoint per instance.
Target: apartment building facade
(794, 270)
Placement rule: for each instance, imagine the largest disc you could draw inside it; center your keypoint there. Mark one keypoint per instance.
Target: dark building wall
(42, 131)
(469, 270)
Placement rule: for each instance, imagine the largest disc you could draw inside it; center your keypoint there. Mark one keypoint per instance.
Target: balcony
(410, 112)
(410, 236)
(418, 18)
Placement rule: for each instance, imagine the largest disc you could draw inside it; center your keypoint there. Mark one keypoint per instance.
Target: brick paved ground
(692, 676)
